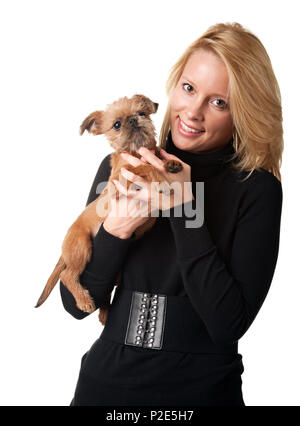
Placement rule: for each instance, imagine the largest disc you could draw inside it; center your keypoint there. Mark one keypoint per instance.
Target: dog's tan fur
(136, 130)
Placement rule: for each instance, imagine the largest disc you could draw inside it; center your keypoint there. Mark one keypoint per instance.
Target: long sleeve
(108, 254)
(229, 296)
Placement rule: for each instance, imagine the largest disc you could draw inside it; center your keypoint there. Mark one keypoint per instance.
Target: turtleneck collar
(204, 164)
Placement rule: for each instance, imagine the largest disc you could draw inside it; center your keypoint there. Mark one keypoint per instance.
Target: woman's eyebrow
(213, 94)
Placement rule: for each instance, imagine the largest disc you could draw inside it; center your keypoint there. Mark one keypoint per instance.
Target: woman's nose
(195, 110)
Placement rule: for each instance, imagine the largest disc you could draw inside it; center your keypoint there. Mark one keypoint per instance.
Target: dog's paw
(85, 302)
(173, 166)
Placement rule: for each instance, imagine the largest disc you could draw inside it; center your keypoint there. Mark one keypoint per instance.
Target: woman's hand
(179, 182)
(123, 219)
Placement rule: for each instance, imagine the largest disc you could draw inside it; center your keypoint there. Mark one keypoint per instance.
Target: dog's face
(126, 123)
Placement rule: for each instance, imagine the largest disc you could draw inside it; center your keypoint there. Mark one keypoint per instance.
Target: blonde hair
(255, 100)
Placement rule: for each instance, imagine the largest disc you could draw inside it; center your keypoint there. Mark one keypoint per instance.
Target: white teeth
(188, 129)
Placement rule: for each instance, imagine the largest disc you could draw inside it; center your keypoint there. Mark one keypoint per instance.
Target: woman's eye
(187, 84)
(142, 114)
(117, 125)
(221, 104)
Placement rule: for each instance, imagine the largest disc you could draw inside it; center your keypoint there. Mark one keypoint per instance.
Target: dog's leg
(103, 313)
(81, 295)
(77, 250)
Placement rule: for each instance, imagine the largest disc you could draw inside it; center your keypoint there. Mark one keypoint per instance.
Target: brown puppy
(127, 125)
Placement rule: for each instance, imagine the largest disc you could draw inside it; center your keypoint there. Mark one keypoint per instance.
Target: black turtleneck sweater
(225, 267)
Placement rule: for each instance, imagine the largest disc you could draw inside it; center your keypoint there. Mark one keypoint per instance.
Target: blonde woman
(198, 285)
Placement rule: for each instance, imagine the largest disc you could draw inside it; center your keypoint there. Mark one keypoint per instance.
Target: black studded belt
(146, 320)
(156, 321)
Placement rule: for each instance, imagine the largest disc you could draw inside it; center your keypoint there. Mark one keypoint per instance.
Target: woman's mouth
(188, 131)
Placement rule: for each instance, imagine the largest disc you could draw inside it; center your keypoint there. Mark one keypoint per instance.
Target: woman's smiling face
(200, 102)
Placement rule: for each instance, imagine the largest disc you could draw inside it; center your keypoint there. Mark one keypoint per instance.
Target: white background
(61, 60)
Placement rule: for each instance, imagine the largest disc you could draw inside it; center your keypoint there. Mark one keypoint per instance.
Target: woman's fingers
(148, 156)
(131, 159)
(168, 156)
(142, 190)
(151, 158)
(135, 179)
(131, 176)
(120, 187)
(128, 192)
(136, 186)
(157, 200)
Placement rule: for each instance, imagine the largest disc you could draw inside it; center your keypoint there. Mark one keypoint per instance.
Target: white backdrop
(61, 60)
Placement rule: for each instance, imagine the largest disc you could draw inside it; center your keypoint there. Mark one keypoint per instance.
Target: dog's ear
(145, 104)
(155, 104)
(92, 123)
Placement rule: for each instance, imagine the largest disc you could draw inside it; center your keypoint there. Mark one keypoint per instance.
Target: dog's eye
(142, 114)
(117, 125)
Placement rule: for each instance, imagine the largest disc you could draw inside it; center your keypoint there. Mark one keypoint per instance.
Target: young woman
(200, 287)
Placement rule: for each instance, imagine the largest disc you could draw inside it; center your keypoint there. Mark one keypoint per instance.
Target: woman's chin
(185, 143)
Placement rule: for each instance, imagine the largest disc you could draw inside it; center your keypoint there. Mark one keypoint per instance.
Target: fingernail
(123, 154)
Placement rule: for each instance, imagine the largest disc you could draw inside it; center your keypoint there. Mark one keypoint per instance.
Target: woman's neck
(204, 164)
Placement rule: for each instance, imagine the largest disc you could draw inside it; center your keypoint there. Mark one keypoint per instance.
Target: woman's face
(200, 102)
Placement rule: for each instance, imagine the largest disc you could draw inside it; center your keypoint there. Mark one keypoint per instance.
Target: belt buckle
(146, 320)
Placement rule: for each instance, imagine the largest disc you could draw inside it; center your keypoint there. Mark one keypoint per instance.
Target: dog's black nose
(133, 122)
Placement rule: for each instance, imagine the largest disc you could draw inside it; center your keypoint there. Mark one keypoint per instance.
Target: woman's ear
(92, 123)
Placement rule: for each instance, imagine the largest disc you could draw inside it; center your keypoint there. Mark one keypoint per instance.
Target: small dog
(127, 125)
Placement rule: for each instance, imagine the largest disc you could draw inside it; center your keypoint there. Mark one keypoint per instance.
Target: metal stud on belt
(146, 321)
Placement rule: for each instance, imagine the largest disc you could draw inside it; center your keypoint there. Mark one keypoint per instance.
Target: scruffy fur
(127, 125)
